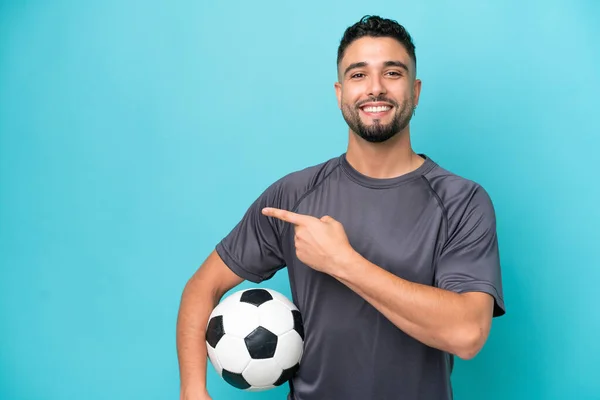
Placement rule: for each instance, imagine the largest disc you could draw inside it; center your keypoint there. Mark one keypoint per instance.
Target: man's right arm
(202, 293)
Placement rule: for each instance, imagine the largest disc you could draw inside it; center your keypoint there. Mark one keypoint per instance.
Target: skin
(452, 322)
(200, 296)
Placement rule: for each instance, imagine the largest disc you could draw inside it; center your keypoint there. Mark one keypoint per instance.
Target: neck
(390, 159)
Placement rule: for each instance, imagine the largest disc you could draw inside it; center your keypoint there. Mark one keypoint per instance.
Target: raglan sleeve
(253, 248)
(470, 259)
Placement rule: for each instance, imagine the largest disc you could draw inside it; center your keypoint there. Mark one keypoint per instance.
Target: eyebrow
(362, 64)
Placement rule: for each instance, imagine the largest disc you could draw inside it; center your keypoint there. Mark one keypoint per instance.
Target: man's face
(377, 90)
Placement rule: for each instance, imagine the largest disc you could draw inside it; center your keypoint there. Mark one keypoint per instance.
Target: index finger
(285, 215)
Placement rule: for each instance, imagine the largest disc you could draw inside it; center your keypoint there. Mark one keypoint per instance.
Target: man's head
(377, 89)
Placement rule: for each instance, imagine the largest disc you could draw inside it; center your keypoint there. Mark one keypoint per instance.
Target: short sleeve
(469, 260)
(252, 249)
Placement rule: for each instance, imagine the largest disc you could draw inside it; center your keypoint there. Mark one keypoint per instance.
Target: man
(392, 260)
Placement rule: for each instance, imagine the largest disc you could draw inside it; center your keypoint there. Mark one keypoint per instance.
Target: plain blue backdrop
(134, 135)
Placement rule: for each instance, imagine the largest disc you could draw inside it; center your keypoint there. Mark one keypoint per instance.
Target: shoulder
(290, 188)
(458, 194)
(309, 177)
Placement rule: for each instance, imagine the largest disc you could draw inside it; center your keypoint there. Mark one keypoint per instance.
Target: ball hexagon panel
(261, 343)
(276, 317)
(232, 354)
(262, 373)
(239, 319)
(289, 349)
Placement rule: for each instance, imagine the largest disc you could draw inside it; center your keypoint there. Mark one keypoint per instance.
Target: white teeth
(377, 109)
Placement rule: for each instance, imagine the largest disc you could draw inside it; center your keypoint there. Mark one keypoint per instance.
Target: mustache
(376, 98)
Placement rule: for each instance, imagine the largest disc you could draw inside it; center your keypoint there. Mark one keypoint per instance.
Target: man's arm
(449, 321)
(452, 322)
(201, 294)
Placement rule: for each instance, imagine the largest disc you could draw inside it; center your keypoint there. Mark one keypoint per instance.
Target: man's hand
(321, 244)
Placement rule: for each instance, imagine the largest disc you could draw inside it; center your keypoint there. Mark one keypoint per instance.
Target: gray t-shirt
(429, 226)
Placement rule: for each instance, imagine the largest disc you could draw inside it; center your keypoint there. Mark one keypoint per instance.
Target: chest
(399, 229)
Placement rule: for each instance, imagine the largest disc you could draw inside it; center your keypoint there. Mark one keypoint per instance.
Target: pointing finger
(287, 216)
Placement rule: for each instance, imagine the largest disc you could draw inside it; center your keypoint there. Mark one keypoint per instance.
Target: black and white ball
(255, 339)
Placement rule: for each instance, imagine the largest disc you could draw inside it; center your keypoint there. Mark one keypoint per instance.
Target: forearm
(436, 317)
(195, 308)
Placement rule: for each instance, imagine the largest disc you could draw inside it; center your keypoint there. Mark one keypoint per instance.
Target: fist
(322, 244)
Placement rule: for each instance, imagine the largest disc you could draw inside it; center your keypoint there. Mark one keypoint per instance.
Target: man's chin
(369, 121)
(376, 137)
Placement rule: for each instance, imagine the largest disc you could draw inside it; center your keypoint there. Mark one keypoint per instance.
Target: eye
(394, 73)
(358, 75)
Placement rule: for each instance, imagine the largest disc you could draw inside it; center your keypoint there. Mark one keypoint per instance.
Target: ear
(338, 93)
(417, 90)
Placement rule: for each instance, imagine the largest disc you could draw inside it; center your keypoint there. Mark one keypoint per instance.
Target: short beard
(378, 132)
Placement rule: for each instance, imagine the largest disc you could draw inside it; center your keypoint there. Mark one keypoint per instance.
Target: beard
(378, 132)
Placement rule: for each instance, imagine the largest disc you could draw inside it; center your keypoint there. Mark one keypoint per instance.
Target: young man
(392, 260)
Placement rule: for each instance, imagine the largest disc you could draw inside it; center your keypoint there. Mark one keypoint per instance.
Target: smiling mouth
(376, 110)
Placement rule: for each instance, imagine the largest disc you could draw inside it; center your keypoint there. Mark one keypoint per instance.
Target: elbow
(468, 342)
(467, 353)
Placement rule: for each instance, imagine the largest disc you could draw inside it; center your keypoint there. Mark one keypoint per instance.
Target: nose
(376, 87)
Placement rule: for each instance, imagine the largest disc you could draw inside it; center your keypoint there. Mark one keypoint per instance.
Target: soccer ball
(255, 339)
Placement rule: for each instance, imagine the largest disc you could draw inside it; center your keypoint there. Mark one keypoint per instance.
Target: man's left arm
(458, 323)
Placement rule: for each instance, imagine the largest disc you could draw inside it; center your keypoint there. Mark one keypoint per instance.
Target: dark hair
(374, 26)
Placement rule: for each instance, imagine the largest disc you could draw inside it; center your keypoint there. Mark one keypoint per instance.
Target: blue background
(134, 135)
